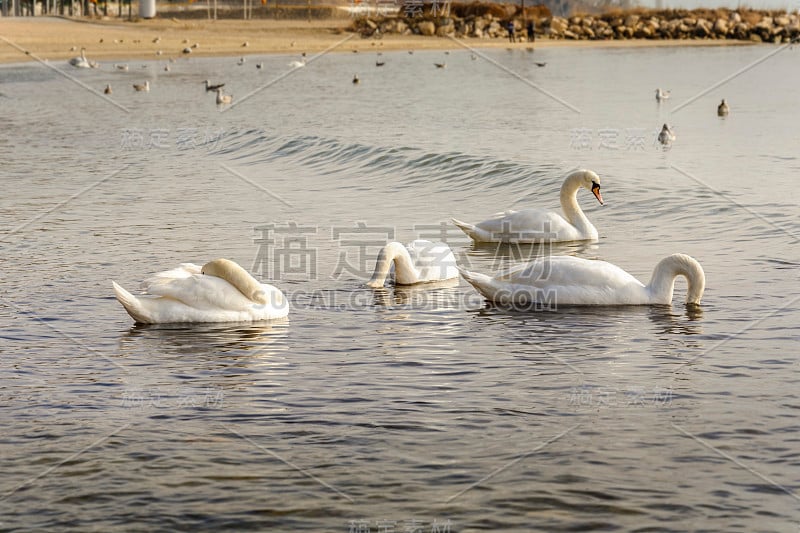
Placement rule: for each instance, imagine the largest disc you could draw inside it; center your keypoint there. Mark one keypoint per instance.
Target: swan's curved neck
(236, 276)
(569, 202)
(395, 254)
(662, 283)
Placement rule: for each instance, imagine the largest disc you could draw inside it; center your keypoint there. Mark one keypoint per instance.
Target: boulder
(721, 27)
(631, 20)
(558, 25)
(426, 27)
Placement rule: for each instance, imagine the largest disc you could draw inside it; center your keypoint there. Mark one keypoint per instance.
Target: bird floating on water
(107, 90)
(121, 67)
(440, 65)
(534, 225)
(145, 87)
(540, 63)
(567, 280)
(214, 87)
(722, 108)
(661, 95)
(81, 61)
(219, 291)
(223, 98)
(356, 80)
(420, 261)
(667, 136)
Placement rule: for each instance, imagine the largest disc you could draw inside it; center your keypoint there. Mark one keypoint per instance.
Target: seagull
(245, 44)
(666, 136)
(107, 90)
(142, 88)
(157, 40)
(187, 50)
(723, 109)
(121, 67)
(661, 95)
(298, 64)
(356, 81)
(216, 87)
(259, 65)
(540, 63)
(241, 61)
(159, 52)
(440, 65)
(380, 63)
(166, 68)
(223, 98)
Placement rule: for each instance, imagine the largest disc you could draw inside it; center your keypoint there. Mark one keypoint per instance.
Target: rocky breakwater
(742, 25)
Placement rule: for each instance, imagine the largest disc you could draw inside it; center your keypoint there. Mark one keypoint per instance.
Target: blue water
(399, 408)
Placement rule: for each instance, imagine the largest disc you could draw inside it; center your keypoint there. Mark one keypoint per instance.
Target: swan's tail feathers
(481, 282)
(131, 304)
(467, 228)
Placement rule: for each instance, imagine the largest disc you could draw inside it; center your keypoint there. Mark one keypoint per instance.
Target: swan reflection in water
(429, 296)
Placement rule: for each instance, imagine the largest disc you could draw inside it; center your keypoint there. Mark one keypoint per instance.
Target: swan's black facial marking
(596, 192)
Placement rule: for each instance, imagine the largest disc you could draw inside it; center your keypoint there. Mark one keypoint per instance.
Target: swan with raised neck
(539, 225)
(567, 280)
(420, 261)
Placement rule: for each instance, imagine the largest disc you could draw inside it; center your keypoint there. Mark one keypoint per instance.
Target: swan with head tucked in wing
(420, 261)
(540, 225)
(220, 291)
(567, 280)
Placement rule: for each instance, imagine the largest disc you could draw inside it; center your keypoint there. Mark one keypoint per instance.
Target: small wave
(400, 167)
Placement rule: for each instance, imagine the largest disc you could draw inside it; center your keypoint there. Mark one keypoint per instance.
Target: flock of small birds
(666, 136)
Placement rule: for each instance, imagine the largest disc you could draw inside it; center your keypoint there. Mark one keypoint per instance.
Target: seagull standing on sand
(723, 109)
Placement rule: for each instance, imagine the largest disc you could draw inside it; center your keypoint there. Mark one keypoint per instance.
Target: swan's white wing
(562, 280)
(201, 292)
(530, 225)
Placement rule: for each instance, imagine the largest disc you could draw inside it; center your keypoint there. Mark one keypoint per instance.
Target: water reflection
(203, 341)
(424, 296)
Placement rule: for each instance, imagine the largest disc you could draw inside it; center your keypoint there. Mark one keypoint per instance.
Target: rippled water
(398, 409)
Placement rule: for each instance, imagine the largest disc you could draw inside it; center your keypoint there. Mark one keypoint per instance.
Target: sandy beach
(56, 38)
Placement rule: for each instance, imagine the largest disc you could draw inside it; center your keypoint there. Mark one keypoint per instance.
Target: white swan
(538, 225)
(661, 95)
(667, 136)
(723, 109)
(567, 280)
(220, 291)
(417, 262)
(80, 62)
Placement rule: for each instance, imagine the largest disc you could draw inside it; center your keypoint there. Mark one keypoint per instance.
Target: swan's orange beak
(596, 192)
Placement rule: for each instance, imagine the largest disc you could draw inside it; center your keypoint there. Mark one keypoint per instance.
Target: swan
(661, 95)
(420, 261)
(80, 62)
(223, 98)
(220, 291)
(539, 225)
(666, 136)
(722, 108)
(567, 280)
